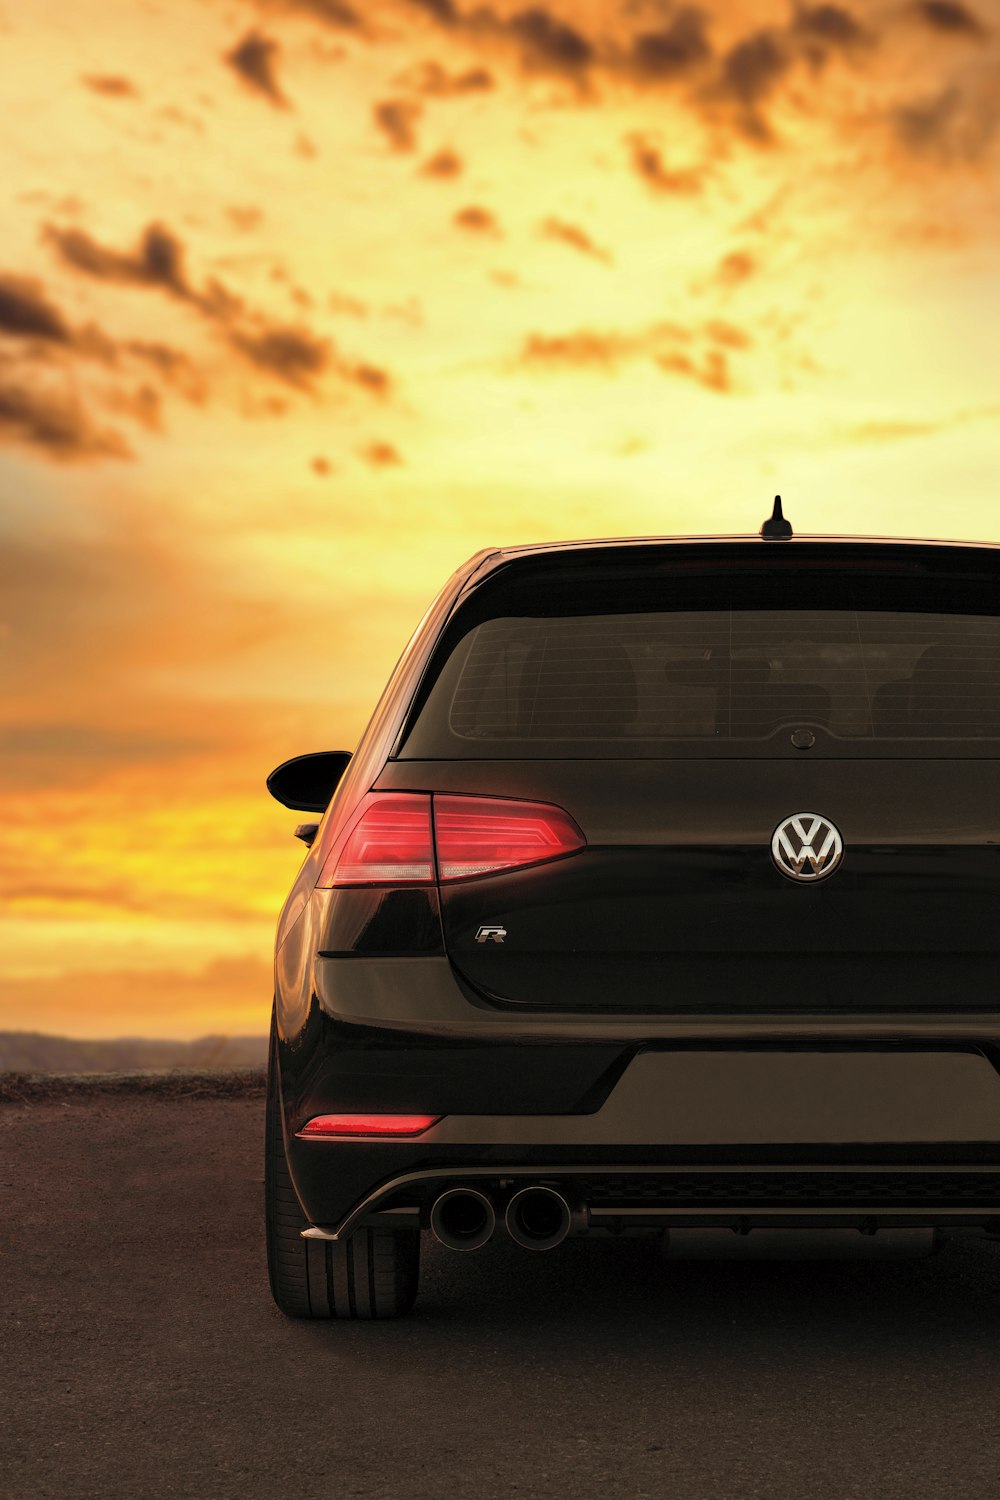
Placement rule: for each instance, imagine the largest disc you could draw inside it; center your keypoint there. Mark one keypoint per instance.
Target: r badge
(491, 934)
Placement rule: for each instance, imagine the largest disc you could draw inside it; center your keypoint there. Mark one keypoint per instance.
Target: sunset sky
(304, 301)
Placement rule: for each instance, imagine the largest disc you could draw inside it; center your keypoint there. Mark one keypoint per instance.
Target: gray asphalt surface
(142, 1355)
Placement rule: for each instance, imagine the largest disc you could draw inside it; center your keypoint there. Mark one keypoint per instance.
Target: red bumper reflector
(330, 1125)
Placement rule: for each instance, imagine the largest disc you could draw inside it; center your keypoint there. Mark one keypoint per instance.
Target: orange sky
(303, 301)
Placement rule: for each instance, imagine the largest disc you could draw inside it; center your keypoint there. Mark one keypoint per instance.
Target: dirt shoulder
(37, 1088)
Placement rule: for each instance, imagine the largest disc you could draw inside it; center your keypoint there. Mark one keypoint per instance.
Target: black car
(662, 892)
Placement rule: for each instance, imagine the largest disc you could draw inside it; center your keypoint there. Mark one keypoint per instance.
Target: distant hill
(33, 1052)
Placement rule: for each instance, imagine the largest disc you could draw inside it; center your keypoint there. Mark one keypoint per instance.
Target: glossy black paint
(382, 922)
(672, 929)
(307, 782)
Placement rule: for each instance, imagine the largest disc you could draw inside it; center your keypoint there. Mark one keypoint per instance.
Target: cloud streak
(949, 18)
(648, 164)
(444, 163)
(111, 85)
(575, 237)
(478, 220)
(56, 425)
(291, 353)
(254, 61)
(397, 120)
(433, 81)
(696, 354)
(26, 311)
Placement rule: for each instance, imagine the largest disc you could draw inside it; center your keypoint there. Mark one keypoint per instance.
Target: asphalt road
(142, 1356)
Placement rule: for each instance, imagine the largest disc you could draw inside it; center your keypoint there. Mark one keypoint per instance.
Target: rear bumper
(706, 1136)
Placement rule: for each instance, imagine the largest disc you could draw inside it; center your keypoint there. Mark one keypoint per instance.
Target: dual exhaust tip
(537, 1218)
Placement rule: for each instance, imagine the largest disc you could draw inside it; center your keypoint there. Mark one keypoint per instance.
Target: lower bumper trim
(943, 1194)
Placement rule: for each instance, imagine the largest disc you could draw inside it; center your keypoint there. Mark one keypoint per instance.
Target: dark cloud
(830, 26)
(435, 82)
(292, 354)
(443, 11)
(751, 72)
(548, 42)
(648, 163)
(157, 261)
(575, 237)
(397, 118)
(676, 50)
(923, 127)
(173, 366)
(112, 85)
(821, 32)
(334, 13)
(382, 455)
(142, 404)
(444, 163)
(299, 357)
(26, 312)
(733, 88)
(253, 61)
(949, 16)
(479, 220)
(56, 425)
(35, 414)
(370, 377)
(953, 126)
(543, 42)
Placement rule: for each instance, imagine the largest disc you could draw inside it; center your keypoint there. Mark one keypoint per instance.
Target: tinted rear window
(643, 673)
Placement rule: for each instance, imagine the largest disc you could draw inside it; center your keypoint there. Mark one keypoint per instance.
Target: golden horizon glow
(303, 302)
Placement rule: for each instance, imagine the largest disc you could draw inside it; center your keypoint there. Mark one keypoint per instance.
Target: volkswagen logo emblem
(807, 846)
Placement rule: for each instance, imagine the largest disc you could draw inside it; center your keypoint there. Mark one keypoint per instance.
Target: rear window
(640, 672)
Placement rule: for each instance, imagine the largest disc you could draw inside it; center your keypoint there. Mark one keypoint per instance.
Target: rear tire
(373, 1274)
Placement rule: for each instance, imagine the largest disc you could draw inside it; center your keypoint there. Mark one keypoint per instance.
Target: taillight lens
(390, 844)
(480, 835)
(393, 841)
(381, 1125)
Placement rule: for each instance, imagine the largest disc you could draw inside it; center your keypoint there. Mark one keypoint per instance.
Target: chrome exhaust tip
(462, 1219)
(538, 1218)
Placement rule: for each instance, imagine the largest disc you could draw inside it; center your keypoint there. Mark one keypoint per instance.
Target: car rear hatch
(681, 703)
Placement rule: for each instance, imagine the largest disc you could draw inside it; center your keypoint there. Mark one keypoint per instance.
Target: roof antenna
(776, 528)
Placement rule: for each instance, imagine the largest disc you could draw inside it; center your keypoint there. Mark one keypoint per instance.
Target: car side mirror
(307, 782)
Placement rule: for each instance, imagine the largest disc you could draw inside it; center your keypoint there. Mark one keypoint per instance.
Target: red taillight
(480, 835)
(392, 841)
(323, 1125)
(390, 844)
